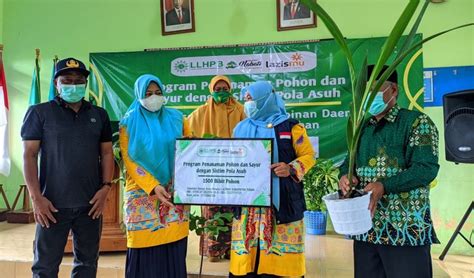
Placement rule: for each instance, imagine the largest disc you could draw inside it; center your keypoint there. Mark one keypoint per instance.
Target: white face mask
(152, 103)
(250, 108)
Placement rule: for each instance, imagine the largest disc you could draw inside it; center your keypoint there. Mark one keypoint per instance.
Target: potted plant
(118, 160)
(321, 180)
(351, 216)
(212, 227)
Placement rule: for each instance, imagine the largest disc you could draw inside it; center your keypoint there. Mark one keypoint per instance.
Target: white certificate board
(223, 172)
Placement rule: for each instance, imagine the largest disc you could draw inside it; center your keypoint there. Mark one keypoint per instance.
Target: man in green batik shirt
(397, 159)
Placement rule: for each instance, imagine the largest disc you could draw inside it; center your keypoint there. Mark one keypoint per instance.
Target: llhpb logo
(181, 66)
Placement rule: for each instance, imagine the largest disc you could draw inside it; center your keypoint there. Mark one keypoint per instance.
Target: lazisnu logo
(296, 60)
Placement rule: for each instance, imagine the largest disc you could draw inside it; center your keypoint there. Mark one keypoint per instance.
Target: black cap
(392, 78)
(70, 64)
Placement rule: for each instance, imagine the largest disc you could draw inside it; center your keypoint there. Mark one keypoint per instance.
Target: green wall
(76, 28)
(1, 21)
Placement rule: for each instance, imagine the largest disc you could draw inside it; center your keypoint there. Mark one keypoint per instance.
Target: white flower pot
(349, 216)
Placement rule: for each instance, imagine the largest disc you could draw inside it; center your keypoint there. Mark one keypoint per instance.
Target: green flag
(35, 93)
(52, 89)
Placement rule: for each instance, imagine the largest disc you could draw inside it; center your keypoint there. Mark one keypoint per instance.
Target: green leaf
(260, 200)
(267, 145)
(414, 47)
(387, 50)
(361, 86)
(177, 199)
(393, 39)
(411, 35)
(228, 216)
(211, 229)
(202, 221)
(199, 231)
(320, 179)
(183, 144)
(209, 136)
(350, 125)
(335, 32)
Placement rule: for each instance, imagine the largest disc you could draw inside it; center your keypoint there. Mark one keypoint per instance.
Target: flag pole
(52, 88)
(37, 50)
(35, 93)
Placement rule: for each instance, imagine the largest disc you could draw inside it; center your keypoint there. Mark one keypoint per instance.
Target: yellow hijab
(216, 120)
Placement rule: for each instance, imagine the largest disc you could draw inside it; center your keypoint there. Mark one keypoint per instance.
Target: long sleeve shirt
(401, 152)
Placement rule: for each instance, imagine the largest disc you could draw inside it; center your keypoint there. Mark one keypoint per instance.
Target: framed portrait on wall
(177, 16)
(292, 14)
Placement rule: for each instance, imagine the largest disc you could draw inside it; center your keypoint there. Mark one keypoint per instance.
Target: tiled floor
(327, 256)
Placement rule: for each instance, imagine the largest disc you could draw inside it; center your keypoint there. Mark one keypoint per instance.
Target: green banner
(312, 78)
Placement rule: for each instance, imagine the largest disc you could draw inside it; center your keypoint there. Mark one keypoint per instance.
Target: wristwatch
(107, 183)
(292, 172)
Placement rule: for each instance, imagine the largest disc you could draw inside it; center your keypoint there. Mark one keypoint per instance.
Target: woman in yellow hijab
(217, 118)
(220, 114)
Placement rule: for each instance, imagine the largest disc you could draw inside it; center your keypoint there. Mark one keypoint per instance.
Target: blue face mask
(379, 105)
(250, 108)
(72, 93)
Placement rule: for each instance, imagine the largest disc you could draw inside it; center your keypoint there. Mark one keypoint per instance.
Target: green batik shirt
(401, 152)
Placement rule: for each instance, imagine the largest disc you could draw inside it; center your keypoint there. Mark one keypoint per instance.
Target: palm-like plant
(364, 88)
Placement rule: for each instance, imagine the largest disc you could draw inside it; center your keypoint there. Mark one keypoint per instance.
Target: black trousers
(50, 242)
(162, 261)
(381, 261)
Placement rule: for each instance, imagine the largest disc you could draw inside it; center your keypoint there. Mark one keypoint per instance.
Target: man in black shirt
(73, 139)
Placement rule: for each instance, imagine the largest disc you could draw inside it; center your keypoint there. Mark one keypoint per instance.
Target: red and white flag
(285, 135)
(4, 153)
